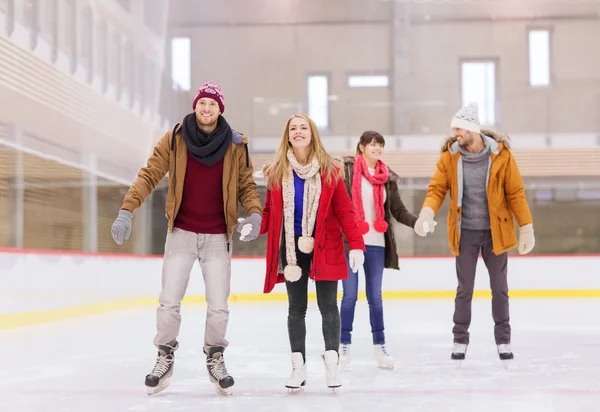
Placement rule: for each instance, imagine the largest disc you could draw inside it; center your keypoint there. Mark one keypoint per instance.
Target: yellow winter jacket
(505, 192)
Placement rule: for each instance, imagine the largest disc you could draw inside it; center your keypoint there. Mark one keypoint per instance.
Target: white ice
(98, 364)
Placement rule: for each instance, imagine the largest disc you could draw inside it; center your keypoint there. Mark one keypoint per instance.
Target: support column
(90, 204)
(402, 90)
(16, 191)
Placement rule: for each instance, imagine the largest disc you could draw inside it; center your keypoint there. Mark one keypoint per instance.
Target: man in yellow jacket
(209, 173)
(486, 191)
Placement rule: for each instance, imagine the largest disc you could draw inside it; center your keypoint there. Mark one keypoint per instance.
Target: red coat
(335, 215)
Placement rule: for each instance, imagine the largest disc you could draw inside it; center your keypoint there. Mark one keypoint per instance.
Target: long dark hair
(367, 137)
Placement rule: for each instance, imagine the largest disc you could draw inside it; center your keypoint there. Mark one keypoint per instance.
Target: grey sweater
(475, 213)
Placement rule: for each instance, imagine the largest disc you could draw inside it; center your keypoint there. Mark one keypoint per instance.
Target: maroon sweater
(202, 209)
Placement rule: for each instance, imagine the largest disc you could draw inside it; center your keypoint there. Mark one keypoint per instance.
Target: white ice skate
(459, 351)
(298, 377)
(344, 355)
(384, 360)
(332, 375)
(505, 351)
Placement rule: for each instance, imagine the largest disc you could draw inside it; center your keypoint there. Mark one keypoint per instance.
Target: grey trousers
(213, 252)
(471, 243)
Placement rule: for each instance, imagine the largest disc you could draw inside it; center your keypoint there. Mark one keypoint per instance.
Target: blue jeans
(373, 266)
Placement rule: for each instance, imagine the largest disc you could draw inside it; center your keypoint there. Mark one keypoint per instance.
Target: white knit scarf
(312, 193)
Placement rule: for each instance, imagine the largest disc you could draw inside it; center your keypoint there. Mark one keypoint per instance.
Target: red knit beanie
(212, 91)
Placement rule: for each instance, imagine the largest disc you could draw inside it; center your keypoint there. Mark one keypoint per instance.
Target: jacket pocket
(506, 225)
(334, 248)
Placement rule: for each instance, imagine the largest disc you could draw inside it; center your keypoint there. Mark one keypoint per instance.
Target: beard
(207, 122)
(464, 142)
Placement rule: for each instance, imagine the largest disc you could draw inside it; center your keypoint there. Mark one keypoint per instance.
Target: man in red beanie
(209, 172)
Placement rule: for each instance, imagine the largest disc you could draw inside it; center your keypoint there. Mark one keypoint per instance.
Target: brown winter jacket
(394, 208)
(238, 183)
(505, 192)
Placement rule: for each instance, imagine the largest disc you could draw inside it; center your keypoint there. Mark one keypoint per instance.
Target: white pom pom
(306, 244)
(292, 273)
(474, 105)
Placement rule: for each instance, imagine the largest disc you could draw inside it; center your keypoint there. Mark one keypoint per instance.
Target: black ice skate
(160, 376)
(505, 352)
(459, 351)
(217, 371)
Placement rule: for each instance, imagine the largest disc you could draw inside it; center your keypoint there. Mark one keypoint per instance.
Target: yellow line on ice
(16, 320)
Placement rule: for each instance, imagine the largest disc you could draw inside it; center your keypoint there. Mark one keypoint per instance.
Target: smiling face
(207, 111)
(370, 145)
(299, 133)
(372, 152)
(465, 138)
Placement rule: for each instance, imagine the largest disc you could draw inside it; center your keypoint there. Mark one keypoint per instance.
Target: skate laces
(459, 348)
(344, 349)
(384, 350)
(162, 365)
(504, 348)
(217, 368)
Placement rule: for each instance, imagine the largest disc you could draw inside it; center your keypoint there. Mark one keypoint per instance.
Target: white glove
(526, 239)
(357, 258)
(425, 223)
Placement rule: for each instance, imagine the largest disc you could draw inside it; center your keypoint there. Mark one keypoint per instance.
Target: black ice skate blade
(296, 387)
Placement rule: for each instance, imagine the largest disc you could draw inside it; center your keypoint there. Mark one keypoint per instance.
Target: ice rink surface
(98, 364)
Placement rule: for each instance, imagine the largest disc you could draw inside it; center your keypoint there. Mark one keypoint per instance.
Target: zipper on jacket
(174, 151)
(227, 201)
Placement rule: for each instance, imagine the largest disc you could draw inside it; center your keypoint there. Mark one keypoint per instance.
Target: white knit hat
(467, 118)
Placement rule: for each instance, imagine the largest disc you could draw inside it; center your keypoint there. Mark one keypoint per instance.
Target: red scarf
(377, 180)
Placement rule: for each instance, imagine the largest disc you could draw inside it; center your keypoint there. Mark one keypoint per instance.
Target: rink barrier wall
(38, 286)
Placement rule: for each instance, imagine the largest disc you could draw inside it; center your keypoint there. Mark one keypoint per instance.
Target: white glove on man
(526, 239)
(357, 258)
(425, 222)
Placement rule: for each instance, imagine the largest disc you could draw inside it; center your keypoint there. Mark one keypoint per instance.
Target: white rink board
(40, 281)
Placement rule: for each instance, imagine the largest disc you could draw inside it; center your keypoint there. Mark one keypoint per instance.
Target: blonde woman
(306, 210)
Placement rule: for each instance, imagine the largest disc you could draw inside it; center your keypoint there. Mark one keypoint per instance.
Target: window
(539, 58)
(102, 54)
(369, 81)
(115, 64)
(32, 10)
(318, 107)
(86, 42)
(128, 73)
(181, 62)
(479, 85)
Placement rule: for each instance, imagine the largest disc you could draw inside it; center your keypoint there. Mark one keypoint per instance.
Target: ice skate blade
(224, 391)
(162, 385)
(296, 387)
(508, 364)
(387, 366)
(458, 363)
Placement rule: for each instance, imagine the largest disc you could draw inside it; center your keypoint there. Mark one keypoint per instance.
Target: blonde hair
(330, 167)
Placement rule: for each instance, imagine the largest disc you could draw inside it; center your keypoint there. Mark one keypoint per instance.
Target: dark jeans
(298, 303)
(374, 265)
(471, 242)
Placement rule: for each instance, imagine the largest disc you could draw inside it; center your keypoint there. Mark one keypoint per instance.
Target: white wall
(35, 282)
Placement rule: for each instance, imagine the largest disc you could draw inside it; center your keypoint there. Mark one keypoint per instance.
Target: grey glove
(122, 226)
(249, 227)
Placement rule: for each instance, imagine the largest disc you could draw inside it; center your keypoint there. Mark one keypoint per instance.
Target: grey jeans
(471, 243)
(213, 252)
